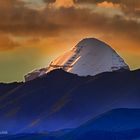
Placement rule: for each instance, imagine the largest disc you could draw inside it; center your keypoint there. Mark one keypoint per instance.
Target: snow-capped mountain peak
(89, 57)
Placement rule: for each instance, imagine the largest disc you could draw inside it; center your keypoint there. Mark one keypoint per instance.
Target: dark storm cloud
(17, 19)
(96, 22)
(124, 2)
(22, 20)
(49, 1)
(128, 6)
(96, 1)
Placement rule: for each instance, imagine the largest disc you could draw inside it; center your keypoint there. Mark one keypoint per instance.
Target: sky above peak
(33, 32)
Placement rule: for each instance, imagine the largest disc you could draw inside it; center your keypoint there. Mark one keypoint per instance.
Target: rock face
(89, 57)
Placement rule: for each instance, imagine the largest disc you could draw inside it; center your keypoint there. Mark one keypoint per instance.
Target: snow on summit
(89, 57)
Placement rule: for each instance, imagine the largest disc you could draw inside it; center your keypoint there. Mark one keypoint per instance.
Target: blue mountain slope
(4, 88)
(116, 120)
(103, 135)
(62, 100)
(91, 135)
(118, 124)
(27, 137)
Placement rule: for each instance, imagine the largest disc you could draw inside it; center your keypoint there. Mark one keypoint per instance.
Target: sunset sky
(33, 32)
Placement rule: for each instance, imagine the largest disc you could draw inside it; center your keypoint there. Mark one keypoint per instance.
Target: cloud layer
(18, 19)
(53, 26)
(59, 19)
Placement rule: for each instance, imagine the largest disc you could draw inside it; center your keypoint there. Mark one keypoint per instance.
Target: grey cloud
(20, 20)
(49, 1)
(96, 1)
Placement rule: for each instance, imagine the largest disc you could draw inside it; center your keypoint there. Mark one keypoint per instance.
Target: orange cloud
(63, 3)
(6, 43)
(108, 5)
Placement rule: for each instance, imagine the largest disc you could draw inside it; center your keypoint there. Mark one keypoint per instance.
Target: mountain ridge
(61, 100)
(89, 131)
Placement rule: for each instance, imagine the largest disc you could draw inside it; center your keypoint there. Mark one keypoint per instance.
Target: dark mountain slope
(4, 88)
(62, 100)
(120, 124)
(117, 124)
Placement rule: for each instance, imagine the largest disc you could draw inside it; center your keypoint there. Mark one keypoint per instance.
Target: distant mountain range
(120, 124)
(61, 100)
(117, 124)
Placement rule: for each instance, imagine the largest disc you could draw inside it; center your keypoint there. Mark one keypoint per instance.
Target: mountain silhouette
(117, 124)
(61, 100)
